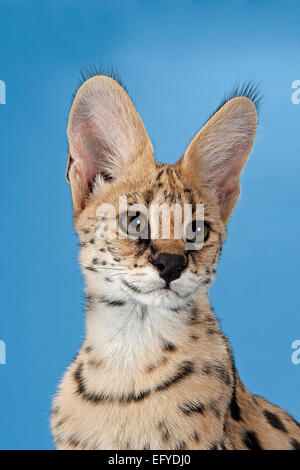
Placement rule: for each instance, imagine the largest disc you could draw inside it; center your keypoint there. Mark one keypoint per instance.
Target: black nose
(169, 266)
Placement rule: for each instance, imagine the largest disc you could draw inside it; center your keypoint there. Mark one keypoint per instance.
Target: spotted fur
(155, 370)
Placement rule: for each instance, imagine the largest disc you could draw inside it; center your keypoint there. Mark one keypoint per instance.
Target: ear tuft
(247, 90)
(94, 70)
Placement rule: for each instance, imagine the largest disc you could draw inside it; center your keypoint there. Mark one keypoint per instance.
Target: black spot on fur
(60, 423)
(184, 369)
(113, 303)
(169, 346)
(100, 397)
(159, 175)
(131, 286)
(213, 407)
(148, 197)
(192, 407)
(213, 446)
(206, 369)
(164, 431)
(91, 268)
(73, 442)
(222, 373)
(166, 195)
(193, 315)
(153, 249)
(251, 441)
(134, 397)
(81, 390)
(274, 421)
(180, 445)
(295, 444)
(295, 422)
(212, 331)
(142, 244)
(234, 408)
(55, 410)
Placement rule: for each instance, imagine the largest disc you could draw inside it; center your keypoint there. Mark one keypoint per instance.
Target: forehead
(160, 184)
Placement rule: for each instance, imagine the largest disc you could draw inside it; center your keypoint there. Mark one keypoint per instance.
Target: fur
(155, 371)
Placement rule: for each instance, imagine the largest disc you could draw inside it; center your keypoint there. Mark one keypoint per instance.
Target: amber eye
(134, 224)
(196, 231)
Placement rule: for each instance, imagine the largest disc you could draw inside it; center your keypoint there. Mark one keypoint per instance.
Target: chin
(164, 298)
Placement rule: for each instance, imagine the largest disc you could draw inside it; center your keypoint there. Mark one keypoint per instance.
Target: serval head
(111, 157)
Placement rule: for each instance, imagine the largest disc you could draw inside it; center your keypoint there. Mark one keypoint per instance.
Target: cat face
(160, 271)
(111, 159)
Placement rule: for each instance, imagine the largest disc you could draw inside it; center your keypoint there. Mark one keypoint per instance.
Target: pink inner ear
(89, 165)
(104, 146)
(105, 134)
(231, 168)
(89, 151)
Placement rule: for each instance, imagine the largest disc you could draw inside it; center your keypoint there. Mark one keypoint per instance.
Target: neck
(132, 335)
(132, 350)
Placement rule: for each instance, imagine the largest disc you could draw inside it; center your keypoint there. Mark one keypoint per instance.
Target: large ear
(105, 135)
(219, 151)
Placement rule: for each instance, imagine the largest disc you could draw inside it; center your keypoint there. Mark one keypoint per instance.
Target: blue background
(177, 59)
